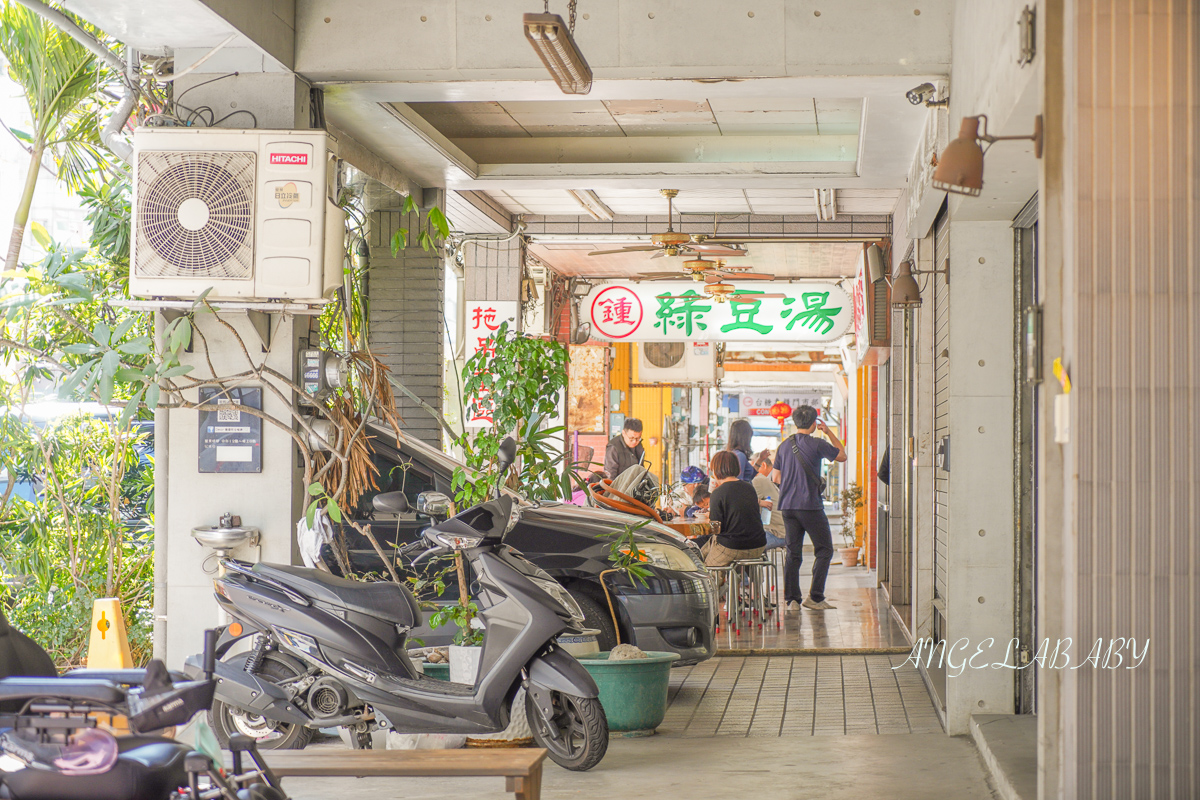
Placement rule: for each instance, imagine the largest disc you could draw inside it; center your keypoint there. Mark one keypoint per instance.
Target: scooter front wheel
(581, 728)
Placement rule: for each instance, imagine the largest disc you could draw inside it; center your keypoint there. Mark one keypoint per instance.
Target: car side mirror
(434, 504)
(391, 503)
(506, 454)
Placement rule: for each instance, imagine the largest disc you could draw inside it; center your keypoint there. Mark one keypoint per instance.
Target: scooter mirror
(391, 503)
(506, 454)
(434, 504)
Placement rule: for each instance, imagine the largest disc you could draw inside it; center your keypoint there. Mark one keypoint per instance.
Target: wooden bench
(520, 767)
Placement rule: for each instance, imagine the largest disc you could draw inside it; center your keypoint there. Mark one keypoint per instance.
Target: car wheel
(597, 617)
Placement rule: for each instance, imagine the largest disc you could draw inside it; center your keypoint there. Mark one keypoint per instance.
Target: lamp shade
(905, 293)
(960, 169)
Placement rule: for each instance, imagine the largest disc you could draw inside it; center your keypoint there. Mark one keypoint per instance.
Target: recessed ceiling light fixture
(554, 42)
(960, 169)
(592, 204)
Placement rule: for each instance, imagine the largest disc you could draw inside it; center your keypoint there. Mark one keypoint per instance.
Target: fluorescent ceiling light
(592, 204)
(555, 46)
(826, 204)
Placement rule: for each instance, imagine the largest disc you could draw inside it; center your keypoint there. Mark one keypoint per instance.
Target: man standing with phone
(798, 474)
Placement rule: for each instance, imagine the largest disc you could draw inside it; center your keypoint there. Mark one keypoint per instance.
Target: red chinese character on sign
(487, 345)
(488, 318)
(617, 311)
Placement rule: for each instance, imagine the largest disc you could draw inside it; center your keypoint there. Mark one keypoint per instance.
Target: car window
(395, 473)
(438, 462)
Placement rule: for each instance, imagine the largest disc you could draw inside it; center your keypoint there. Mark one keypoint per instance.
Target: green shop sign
(623, 311)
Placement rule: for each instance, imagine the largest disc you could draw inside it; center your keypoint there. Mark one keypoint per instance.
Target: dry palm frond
(346, 478)
(373, 381)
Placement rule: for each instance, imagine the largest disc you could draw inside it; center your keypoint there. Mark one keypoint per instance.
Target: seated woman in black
(734, 504)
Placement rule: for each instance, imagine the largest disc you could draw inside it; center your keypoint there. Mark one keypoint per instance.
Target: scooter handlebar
(433, 551)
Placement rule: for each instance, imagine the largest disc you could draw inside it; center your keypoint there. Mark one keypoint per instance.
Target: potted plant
(633, 684)
(852, 501)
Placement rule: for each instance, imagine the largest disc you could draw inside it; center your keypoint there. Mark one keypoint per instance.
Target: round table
(690, 529)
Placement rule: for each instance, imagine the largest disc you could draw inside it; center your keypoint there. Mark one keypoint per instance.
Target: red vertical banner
(484, 318)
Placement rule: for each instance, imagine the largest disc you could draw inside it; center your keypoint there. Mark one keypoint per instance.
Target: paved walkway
(861, 621)
(786, 727)
(798, 696)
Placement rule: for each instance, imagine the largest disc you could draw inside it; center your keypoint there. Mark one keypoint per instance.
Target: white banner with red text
(808, 313)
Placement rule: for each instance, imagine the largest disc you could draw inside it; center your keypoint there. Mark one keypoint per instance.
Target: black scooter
(53, 749)
(329, 652)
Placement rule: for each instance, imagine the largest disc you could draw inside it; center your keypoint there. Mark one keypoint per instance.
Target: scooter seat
(149, 771)
(387, 601)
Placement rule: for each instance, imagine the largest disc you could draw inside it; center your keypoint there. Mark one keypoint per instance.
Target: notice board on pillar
(230, 439)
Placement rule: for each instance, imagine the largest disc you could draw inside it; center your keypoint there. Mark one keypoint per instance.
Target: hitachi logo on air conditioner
(298, 159)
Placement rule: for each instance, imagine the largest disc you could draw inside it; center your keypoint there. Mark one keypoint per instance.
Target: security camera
(925, 94)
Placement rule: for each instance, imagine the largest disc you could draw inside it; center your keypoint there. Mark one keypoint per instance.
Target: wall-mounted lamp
(555, 45)
(905, 293)
(960, 169)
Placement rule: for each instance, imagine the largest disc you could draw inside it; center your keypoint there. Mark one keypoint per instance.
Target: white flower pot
(464, 663)
(464, 667)
(580, 644)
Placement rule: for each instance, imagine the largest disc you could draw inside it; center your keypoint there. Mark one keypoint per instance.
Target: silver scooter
(329, 652)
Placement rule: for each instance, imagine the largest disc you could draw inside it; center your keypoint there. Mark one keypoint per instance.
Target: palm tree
(62, 81)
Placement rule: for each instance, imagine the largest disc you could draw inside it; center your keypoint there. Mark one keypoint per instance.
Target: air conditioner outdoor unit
(243, 212)
(691, 363)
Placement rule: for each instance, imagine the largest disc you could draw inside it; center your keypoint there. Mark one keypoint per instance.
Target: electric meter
(322, 372)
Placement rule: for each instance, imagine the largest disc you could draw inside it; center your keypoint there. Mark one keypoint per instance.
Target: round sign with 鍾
(616, 312)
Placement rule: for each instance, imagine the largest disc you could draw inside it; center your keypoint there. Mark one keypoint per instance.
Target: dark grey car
(674, 612)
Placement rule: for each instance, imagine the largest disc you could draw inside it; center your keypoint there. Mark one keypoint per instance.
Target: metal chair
(760, 577)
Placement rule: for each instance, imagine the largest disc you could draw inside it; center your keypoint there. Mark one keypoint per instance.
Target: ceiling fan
(700, 269)
(720, 292)
(674, 243)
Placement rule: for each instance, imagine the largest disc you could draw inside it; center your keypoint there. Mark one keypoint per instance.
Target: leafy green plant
(523, 378)
(459, 614)
(321, 499)
(425, 239)
(86, 533)
(627, 559)
(61, 79)
(852, 501)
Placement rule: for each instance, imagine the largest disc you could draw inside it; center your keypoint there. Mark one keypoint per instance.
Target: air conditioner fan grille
(663, 354)
(216, 241)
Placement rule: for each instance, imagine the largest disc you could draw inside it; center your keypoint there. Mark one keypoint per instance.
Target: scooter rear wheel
(225, 719)
(581, 726)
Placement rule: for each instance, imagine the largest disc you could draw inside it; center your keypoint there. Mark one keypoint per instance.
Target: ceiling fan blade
(622, 250)
(747, 276)
(717, 250)
(660, 276)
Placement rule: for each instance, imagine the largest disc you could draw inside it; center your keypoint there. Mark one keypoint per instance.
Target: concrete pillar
(980, 570)
(923, 445)
(270, 500)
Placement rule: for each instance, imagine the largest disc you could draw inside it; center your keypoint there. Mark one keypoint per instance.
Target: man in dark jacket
(625, 449)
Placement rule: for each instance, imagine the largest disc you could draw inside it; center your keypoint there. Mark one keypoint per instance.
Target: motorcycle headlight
(513, 518)
(456, 542)
(555, 590)
(667, 557)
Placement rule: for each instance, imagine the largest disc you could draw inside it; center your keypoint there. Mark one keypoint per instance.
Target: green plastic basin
(440, 671)
(633, 692)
